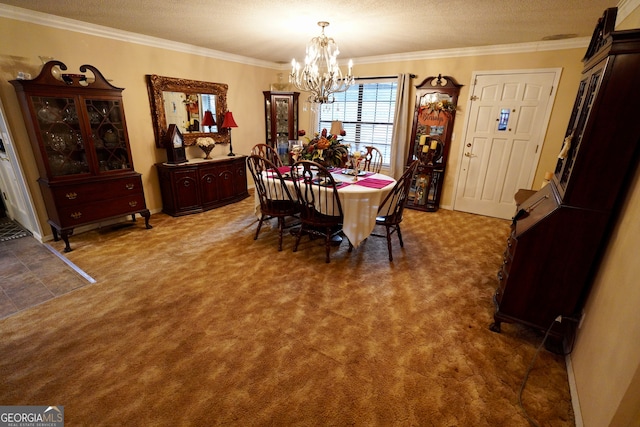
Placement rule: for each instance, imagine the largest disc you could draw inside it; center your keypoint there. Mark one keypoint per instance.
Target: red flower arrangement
(326, 149)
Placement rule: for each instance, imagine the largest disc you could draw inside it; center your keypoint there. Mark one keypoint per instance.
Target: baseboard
(575, 401)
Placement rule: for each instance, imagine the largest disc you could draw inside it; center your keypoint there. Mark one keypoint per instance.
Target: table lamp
(208, 120)
(336, 127)
(229, 123)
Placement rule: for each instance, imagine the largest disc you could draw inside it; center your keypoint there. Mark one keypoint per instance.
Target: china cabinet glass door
(63, 143)
(108, 134)
(281, 117)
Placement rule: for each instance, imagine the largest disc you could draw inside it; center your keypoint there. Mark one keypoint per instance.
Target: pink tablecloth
(374, 182)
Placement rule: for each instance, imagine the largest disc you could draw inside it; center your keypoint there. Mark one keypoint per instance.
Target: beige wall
(126, 65)
(462, 68)
(606, 359)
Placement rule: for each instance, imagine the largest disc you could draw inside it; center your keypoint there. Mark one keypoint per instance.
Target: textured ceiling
(277, 30)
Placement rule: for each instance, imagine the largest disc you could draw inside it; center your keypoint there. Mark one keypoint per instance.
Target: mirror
(186, 103)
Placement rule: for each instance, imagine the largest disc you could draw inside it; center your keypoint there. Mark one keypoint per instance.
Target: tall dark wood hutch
(559, 232)
(433, 119)
(281, 117)
(78, 134)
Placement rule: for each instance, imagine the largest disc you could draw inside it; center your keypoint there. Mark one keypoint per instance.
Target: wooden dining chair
(275, 198)
(392, 207)
(268, 152)
(320, 207)
(373, 159)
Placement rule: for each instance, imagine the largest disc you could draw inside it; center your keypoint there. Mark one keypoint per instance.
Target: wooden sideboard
(200, 185)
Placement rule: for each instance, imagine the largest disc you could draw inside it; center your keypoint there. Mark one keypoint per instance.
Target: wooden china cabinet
(78, 134)
(559, 233)
(433, 119)
(281, 117)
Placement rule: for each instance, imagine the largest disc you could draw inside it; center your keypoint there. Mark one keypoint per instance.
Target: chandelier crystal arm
(321, 75)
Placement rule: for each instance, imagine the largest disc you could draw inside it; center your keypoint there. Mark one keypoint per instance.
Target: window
(366, 111)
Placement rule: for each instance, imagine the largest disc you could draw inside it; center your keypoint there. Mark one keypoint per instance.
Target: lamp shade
(228, 121)
(208, 119)
(336, 127)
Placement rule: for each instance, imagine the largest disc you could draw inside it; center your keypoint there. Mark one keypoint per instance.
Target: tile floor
(32, 273)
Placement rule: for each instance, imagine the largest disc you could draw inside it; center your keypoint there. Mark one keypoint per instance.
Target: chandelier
(321, 75)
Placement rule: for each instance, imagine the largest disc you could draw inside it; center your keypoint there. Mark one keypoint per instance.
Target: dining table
(360, 197)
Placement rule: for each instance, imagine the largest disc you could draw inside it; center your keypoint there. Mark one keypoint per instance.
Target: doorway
(16, 199)
(507, 118)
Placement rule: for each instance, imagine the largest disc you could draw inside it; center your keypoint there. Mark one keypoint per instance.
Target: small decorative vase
(327, 166)
(207, 151)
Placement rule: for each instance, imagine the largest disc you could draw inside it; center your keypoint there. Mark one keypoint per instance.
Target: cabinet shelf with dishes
(434, 115)
(281, 117)
(78, 134)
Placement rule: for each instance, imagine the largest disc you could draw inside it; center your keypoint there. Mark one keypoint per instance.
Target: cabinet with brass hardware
(200, 185)
(560, 232)
(78, 134)
(433, 119)
(281, 117)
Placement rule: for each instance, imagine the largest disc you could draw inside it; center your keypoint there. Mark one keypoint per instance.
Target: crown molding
(20, 14)
(504, 49)
(39, 18)
(625, 7)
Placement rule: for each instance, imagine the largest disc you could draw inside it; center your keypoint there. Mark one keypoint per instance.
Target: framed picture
(174, 144)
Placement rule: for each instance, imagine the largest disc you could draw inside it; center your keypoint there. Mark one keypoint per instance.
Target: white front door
(13, 190)
(506, 124)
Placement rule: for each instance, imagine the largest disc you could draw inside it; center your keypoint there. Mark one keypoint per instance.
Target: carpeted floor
(195, 323)
(10, 230)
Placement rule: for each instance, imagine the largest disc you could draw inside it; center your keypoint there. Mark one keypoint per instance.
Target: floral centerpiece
(326, 149)
(437, 107)
(206, 144)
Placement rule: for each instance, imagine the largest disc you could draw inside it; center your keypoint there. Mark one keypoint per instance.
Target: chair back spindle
(373, 159)
(392, 207)
(320, 207)
(268, 152)
(275, 199)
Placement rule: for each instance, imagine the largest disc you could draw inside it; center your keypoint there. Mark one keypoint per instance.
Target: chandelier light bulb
(321, 75)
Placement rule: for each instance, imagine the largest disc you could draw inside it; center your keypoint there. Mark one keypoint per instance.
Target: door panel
(504, 132)
(13, 189)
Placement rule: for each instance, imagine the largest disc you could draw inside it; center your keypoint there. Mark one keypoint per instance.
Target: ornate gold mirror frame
(159, 85)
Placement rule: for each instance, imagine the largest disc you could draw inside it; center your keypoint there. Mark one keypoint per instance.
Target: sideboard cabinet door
(200, 185)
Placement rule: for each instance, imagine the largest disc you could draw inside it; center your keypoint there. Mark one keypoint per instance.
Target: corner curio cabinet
(559, 233)
(78, 134)
(281, 117)
(434, 115)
